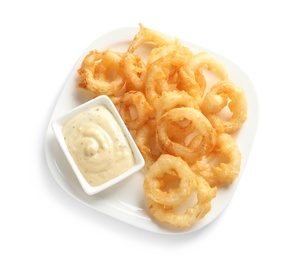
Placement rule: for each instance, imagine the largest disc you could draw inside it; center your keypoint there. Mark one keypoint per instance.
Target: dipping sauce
(98, 145)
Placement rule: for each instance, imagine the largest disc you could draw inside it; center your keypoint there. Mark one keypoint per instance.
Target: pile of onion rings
(182, 126)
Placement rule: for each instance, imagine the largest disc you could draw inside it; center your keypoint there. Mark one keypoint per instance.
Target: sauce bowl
(58, 125)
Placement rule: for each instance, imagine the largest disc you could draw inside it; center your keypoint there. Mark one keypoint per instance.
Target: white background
(41, 41)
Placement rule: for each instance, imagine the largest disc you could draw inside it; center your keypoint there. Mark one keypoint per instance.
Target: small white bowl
(58, 124)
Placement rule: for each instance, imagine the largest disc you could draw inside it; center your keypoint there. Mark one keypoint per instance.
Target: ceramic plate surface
(126, 200)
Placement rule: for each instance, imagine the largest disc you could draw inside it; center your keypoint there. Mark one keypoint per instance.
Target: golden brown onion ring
(134, 109)
(202, 61)
(194, 84)
(134, 72)
(197, 141)
(223, 164)
(162, 75)
(100, 72)
(147, 35)
(159, 188)
(163, 51)
(222, 94)
(173, 99)
(145, 140)
(190, 215)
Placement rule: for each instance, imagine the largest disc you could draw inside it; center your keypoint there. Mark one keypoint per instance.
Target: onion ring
(134, 71)
(100, 72)
(134, 109)
(227, 169)
(225, 93)
(163, 51)
(148, 35)
(161, 191)
(191, 214)
(145, 140)
(173, 99)
(162, 75)
(202, 133)
(203, 60)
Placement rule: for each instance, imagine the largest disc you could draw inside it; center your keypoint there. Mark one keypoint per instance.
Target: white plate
(126, 201)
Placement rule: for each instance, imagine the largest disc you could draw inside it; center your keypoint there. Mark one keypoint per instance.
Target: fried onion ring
(163, 51)
(197, 141)
(222, 94)
(100, 72)
(228, 156)
(202, 61)
(190, 215)
(134, 109)
(148, 35)
(145, 140)
(173, 99)
(162, 75)
(165, 192)
(194, 84)
(134, 72)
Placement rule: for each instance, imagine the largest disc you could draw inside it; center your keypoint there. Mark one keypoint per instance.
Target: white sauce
(98, 145)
